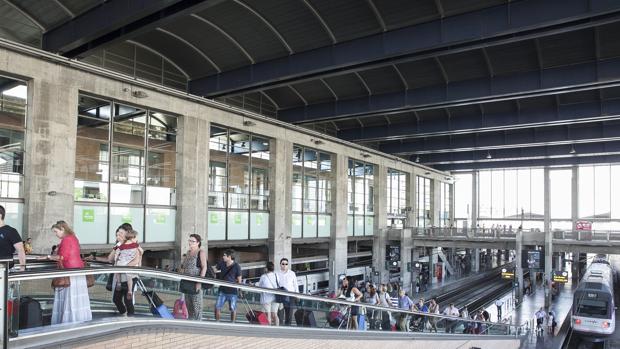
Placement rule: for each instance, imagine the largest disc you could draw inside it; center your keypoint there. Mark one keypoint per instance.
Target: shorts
(223, 297)
(271, 307)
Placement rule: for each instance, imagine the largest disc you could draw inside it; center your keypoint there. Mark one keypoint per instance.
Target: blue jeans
(223, 297)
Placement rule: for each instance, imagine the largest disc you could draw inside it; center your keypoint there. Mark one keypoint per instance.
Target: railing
(12, 105)
(588, 235)
(307, 311)
(466, 233)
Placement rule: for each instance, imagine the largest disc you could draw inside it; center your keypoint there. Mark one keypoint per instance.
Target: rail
(511, 234)
(334, 314)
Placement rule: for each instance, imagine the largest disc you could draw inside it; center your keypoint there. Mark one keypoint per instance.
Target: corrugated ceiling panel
(465, 65)
(513, 58)
(295, 22)
(567, 48)
(382, 80)
(347, 86)
(421, 73)
(399, 13)
(314, 91)
(347, 19)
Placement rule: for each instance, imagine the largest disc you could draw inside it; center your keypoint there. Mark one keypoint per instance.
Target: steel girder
(485, 122)
(531, 137)
(584, 76)
(115, 21)
(496, 25)
(519, 154)
(588, 160)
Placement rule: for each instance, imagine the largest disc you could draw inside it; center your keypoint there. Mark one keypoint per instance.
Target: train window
(592, 308)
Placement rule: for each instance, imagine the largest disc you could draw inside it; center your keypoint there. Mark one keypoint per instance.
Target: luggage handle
(247, 306)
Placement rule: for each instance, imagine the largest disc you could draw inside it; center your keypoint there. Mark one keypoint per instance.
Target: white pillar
(338, 241)
(280, 201)
(548, 237)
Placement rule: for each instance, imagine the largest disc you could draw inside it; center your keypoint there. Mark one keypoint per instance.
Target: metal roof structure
(453, 84)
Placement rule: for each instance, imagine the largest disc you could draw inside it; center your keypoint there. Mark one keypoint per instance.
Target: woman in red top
(71, 304)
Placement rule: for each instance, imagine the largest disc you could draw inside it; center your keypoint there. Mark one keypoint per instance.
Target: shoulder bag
(281, 298)
(62, 281)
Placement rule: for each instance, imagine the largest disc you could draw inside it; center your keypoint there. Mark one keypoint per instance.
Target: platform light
(417, 158)
(249, 123)
(572, 150)
(489, 155)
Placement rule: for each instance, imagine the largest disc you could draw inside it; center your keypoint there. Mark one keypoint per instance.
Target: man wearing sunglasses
(287, 279)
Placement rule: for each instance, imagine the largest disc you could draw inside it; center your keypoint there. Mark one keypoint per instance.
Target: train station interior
(464, 151)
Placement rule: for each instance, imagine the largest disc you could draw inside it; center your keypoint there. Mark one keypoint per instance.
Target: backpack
(180, 309)
(209, 274)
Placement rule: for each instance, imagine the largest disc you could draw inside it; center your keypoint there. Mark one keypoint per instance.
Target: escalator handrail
(47, 274)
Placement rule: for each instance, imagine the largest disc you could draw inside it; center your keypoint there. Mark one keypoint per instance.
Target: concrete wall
(54, 86)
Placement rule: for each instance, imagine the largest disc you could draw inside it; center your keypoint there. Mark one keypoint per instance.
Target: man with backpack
(227, 270)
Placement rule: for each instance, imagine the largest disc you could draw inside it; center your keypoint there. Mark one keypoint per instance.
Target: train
(593, 312)
(317, 283)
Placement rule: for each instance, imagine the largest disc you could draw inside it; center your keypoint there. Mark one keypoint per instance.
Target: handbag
(282, 298)
(108, 285)
(90, 279)
(188, 287)
(61, 281)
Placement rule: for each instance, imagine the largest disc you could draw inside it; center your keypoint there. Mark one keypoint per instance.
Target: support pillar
(280, 202)
(519, 269)
(192, 184)
(475, 267)
(50, 161)
(380, 223)
(338, 241)
(436, 202)
(575, 266)
(406, 247)
(474, 200)
(548, 238)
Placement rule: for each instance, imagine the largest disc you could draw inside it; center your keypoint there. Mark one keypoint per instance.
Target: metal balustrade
(36, 284)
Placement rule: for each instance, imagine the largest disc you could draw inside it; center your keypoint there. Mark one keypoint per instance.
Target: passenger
(287, 279)
(540, 319)
(384, 301)
(351, 294)
(417, 284)
(486, 316)
(194, 264)
(480, 325)
(119, 294)
(71, 303)
(499, 303)
(551, 323)
(373, 299)
(11, 241)
(433, 309)
(126, 255)
(421, 319)
(405, 303)
(268, 300)
(28, 246)
(467, 325)
(451, 311)
(227, 270)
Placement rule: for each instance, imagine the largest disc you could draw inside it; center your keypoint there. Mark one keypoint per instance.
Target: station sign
(583, 225)
(508, 274)
(560, 276)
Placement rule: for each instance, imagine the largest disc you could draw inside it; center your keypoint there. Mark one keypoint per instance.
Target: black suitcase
(305, 318)
(30, 313)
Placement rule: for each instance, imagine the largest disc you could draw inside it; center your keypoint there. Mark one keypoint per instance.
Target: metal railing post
(4, 287)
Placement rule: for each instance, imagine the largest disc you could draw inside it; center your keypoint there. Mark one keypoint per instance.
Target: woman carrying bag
(71, 301)
(194, 264)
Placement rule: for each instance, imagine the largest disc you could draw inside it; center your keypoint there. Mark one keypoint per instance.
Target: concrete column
(380, 223)
(338, 241)
(476, 260)
(474, 200)
(519, 269)
(574, 188)
(548, 237)
(415, 256)
(412, 200)
(406, 247)
(575, 266)
(49, 158)
(192, 184)
(280, 206)
(436, 202)
(452, 206)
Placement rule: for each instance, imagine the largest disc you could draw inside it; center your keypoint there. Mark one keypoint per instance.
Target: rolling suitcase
(305, 318)
(158, 308)
(255, 317)
(30, 313)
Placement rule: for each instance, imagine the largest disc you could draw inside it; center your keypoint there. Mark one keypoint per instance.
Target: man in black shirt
(11, 241)
(227, 270)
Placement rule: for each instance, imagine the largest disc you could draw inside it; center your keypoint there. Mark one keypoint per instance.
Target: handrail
(45, 274)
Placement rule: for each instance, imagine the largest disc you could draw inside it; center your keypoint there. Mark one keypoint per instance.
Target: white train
(593, 313)
(317, 283)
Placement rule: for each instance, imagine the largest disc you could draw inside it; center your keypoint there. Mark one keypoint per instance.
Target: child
(126, 253)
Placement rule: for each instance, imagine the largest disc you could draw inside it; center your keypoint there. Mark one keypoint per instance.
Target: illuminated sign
(508, 274)
(560, 276)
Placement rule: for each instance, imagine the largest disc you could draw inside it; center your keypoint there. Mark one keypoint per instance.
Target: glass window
(423, 198)
(463, 196)
(361, 198)
(615, 188)
(586, 192)
(396, 194)
(445, 204)
(510, 194)
(124, 174)
(497, 194)
(312, 183)
(561, 197)
(484, 194)
(238, 185)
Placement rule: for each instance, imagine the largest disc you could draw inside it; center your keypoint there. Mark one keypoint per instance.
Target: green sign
(259, 219)
(160, 219)
(88, 215)
(213, 219)
(309, 220)
(127, 218)
(237, 219)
